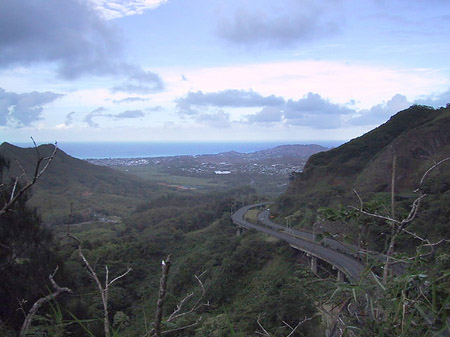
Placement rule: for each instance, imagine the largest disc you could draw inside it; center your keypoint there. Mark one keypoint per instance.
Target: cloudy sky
(210, 70)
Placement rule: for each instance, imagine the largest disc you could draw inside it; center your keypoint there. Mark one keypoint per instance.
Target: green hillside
(418, 137)
(249, 280)
(70, 183)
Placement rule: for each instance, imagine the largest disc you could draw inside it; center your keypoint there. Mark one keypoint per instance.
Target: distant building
(222, 172)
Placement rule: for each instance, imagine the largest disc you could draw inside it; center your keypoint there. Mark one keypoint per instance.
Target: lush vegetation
(240, 284)
(417, 137)
(238, 271)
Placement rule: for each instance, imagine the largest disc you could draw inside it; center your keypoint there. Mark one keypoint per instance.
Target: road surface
(351, 267)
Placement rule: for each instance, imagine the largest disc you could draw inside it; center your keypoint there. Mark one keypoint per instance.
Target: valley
(267, 171)
(135, 212)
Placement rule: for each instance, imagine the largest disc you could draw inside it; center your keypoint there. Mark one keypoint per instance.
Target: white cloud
(217, 119)
(381, 112)
(436, 99)
(69, 119)
(19, 110)
(338, 81)
(112, 9)
(270, 114)
(226, 98)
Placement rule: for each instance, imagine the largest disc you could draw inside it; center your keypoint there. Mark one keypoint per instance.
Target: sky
(209, 70)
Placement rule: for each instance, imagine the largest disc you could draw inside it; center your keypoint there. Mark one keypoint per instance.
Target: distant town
(281, 160)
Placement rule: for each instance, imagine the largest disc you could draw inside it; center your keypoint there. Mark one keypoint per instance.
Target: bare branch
(177, 313)
(37, 174)
(299, 324)
(386, 218)
(264, 333)
(431, 169)
(120, 276)
(174, 315)
(102, 289)
(14, 189)
(41, 301)
(414, 208)
(196, 305)
(165, 266)
(360, 200)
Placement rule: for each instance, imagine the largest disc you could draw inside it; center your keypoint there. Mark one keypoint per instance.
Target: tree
(26, 249)
(414, 300)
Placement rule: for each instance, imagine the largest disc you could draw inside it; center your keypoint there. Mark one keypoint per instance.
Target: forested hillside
(75, 188)
(245, 279)
(416, 137)
(222, 282)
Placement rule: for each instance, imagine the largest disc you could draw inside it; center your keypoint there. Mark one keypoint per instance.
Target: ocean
(97, 150)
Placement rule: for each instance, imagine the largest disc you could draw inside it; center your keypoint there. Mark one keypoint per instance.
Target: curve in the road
(351, 267)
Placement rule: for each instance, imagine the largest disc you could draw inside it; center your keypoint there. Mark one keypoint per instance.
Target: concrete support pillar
(340, 276)
(314, 264)
(239, 231)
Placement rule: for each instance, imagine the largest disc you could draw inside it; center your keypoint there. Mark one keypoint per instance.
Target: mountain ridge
(418, 137)
(67, 179)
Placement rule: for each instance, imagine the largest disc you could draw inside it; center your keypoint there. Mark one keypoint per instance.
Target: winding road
(303, 241)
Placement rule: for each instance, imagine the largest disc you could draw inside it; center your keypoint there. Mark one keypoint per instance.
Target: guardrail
(349, 266)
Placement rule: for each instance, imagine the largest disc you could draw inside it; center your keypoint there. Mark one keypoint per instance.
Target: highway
(351, 267)
(327, 242)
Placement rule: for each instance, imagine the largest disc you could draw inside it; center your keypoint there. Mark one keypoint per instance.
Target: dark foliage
(27, 256)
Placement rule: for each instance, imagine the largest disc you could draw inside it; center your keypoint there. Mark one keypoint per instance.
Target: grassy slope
(70, 182)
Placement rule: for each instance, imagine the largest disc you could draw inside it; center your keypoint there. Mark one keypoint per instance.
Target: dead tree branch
(265, 333)
(178, 312)
(429, 170)
(41, 301)
(103, 289)
(40, 167)
(165, 266)
(398, 226)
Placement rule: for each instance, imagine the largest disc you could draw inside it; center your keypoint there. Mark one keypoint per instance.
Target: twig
(265, 333)
(430, 169)
(298, 325)
(102, 289)
(41, 301)
(196, 306)
(38, 171)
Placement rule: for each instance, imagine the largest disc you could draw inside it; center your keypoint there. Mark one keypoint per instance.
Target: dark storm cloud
(281, 24)
(70, 34)
(23, 109)
(227, 98)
